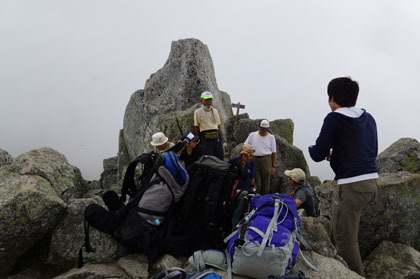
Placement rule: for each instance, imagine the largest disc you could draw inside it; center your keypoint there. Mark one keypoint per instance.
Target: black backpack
(123, 222)
(203, 216)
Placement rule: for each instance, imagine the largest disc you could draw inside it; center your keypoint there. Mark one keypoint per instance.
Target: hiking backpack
(203, 216)
(144, 221)
(266, 241)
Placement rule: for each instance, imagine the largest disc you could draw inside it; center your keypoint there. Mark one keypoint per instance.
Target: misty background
(68, 68)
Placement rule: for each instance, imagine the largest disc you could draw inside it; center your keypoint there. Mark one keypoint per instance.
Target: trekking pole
(179, 126)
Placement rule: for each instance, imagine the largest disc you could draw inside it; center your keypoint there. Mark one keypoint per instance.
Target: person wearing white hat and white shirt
(207, 127)
(161, 143)
(265, 156)
(303, 192)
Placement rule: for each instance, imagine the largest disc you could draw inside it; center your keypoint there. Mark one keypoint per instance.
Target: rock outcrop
(393, 216)
(29, 209)
(5, 158)
(172, 91)
(65, 179)
(34, 190)
(391, 260)
(402, 155)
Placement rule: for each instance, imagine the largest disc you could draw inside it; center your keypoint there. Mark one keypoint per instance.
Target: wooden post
(238, 106)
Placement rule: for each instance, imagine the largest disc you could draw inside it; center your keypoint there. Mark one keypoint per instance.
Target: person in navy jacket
(348, 139)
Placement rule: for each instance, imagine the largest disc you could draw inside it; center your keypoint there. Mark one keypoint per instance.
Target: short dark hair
(344, 90)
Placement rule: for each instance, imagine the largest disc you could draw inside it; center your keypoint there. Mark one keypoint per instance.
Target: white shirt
(263, 145)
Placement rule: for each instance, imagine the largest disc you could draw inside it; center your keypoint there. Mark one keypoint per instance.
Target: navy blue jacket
(354, 142)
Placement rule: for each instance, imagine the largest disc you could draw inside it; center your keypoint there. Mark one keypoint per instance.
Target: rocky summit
(43, 197)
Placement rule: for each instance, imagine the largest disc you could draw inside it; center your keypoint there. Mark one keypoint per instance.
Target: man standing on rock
(265, 156)
(207, 127)
(348, 139)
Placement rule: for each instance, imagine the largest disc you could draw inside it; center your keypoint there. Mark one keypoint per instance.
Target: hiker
(348, 139)
(245, 165)
(265, 155)
(207, 127)
(245, 182)
(191, 152)
(303, 192)
(161, 143)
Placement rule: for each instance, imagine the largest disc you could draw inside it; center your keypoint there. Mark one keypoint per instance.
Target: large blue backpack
(266, 241)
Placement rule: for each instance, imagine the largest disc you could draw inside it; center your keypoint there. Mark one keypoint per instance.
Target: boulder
(94, 271)
(68, 237)
(173, 89)
(29, 209)
(5, 158)
(330, 268)
(393, 216)
(65, 179)
(314, 232)
(109, 177)
(402, 155)
(288, 157)
(324, 193)
(393, 260)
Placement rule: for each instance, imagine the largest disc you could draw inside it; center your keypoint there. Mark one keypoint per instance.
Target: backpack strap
(271, 227)
(313, 267)
(86, 244)
(197, 261)
(173, 272)
(229, 264)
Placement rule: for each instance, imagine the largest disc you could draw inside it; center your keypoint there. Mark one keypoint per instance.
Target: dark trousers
(349, 200)
(213, 147)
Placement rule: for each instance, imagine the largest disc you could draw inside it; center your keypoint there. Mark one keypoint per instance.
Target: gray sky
(68, 68)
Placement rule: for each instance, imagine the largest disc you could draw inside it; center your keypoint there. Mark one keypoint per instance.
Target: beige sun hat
(297, 175)
(158, 139)
(247, 149)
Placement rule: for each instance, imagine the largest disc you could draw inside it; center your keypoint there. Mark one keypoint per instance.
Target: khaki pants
(263, 173)
(348, 202)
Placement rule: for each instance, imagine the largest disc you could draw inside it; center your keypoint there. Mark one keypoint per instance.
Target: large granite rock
(391, 260)
(173, 89)
(29, 209)
(68, 237)
(393, 216)
(65, 179)
(5, 158)
(402, 155)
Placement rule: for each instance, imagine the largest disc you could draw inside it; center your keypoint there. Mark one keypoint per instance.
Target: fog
(68, 68)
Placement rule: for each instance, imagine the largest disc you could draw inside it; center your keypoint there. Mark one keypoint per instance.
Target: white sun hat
(158, 139)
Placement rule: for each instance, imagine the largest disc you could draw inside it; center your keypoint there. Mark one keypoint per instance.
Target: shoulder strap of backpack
(129, 185)
(86, 244)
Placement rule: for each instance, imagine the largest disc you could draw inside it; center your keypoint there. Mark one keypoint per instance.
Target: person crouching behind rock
(161, 143)
(303, 193)
(207, 126)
